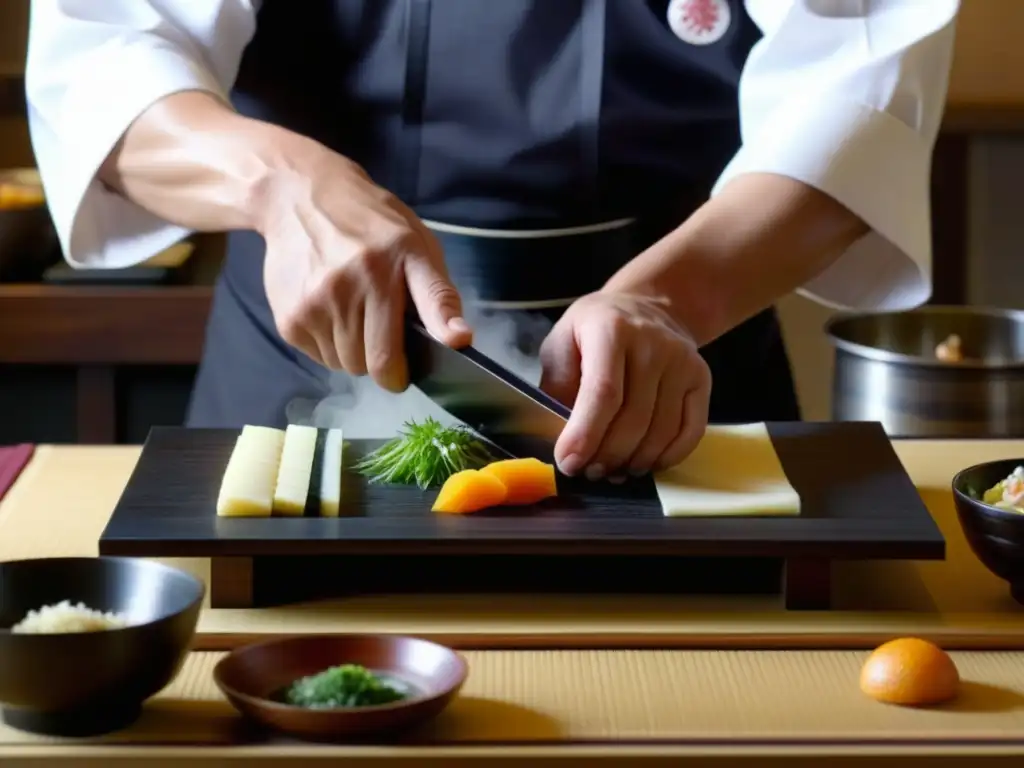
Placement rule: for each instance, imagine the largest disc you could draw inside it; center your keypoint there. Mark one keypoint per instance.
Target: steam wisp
(365, 411)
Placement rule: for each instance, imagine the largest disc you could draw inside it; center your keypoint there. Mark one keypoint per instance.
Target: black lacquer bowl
(996, 536)
(88, 683)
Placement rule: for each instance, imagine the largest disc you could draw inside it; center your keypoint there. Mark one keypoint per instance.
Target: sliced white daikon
(734, 471)
(247, 487)
(330, 474)
(293, 474)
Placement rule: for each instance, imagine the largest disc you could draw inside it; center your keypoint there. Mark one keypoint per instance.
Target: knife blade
(515, 416)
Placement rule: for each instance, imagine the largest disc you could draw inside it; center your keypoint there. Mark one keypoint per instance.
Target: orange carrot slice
(527, 480)
(469, 491)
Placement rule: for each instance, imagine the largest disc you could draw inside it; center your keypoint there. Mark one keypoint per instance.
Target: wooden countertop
(958, 602)
(528, 701)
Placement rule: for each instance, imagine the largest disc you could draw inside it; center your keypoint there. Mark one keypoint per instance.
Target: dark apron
(588, 120)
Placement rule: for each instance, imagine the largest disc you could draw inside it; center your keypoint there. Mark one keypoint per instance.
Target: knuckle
(291, 326)
(679, 350)
(366, 260)
(607, 392)
(671, 457)
(547, 353)
(355, 366)
(618, 325)
(366, 270)
(554, 350)
(648, 359)
(698, 435)
(338, 282)
(667, 461)
(351, 358)
(380, 362)
(430, 240)
(582, 442)
(642, 463)
(623, 442)
(389, 200)
(691, 364)
(354, 167)
(681, 447)
(391, 239)
(702, 374)
(652, 446)
(612, 459)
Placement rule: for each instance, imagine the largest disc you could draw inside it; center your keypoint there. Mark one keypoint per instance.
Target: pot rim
(919, 361)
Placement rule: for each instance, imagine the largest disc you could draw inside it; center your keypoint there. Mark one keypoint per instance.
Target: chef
(654, 174)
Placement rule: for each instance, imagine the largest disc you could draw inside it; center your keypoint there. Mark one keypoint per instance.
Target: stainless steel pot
(887, 370)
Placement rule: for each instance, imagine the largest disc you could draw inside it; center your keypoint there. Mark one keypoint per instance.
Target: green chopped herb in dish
(348, 685)
(425, 454)
(1008, 493)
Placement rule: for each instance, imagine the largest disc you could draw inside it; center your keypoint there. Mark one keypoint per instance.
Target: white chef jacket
(843, 95)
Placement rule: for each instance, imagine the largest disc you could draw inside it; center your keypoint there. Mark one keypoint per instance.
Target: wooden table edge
(1011, 639)
(648, 752)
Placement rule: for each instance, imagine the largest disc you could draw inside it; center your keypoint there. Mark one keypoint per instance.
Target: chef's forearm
(760, 238)
(194, 162)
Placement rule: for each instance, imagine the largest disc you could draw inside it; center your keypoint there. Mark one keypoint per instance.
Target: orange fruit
(911, 672)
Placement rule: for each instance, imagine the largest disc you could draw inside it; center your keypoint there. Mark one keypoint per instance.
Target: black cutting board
(857, 502)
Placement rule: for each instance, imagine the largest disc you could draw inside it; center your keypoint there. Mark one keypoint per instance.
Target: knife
(513, 415)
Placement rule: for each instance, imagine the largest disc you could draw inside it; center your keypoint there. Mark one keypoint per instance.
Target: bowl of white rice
(65, 617)
(84, 642)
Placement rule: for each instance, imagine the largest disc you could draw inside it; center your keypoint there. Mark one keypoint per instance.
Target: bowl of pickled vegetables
(989, 501)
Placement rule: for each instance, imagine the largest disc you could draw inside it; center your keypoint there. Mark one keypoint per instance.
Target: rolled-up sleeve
(93, 67)
(848, 97)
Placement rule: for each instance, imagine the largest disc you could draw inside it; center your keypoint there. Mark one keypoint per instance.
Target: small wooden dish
(252, 677)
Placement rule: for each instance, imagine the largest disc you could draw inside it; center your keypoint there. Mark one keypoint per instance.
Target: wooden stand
(609, 541)
(247, 582)
(232, 582)
(807, 584)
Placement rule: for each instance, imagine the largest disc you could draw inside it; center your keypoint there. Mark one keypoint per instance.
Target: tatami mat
(644, 696)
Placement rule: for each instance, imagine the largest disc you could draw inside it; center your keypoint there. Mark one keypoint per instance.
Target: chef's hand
(636, 382)
(341, 252)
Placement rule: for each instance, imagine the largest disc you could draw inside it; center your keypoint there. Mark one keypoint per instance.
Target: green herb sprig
(425, 454)
(347, 685)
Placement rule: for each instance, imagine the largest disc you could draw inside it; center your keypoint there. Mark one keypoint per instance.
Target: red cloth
(13, 459)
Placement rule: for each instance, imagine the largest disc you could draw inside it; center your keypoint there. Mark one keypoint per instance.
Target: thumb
(437, 301)
(561, 365)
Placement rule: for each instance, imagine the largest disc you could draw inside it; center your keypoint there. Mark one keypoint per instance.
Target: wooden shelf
(65, 325)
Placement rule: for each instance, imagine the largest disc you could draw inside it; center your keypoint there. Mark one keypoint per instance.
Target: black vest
(531, 113)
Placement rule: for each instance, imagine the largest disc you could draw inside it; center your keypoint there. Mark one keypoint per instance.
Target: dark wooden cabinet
(96, 365)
